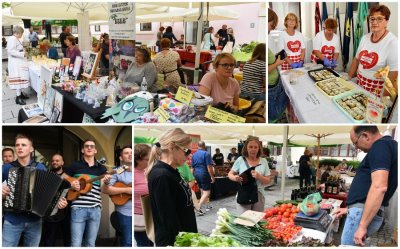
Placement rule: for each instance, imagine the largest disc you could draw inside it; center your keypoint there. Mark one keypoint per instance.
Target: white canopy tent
(306, 135)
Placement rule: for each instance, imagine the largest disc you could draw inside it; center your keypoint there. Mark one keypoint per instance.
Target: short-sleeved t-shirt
(200, 162)
(185, 172)
(240, 166)
(372, 56)
(218, 159)
(125, 178)
(219, 94)
(381, 156)
(292, 44)
(253, 77)
(139, 189)
(273, 76)
(321, 44)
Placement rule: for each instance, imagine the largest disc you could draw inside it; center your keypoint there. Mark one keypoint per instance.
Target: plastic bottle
(143, 85)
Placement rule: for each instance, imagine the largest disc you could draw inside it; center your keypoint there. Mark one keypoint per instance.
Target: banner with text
(122, 21)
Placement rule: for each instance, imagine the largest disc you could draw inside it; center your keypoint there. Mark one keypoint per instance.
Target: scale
(318, 222)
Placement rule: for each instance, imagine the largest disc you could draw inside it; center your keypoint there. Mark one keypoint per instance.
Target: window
(145, 26)
(344, 150)
(97, 28)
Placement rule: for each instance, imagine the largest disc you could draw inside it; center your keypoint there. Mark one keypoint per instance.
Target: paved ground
(206, 223)
(10, 109)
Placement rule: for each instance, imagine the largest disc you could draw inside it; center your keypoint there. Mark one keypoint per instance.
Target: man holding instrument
(86, 208)
(26, 223)
(121, 185)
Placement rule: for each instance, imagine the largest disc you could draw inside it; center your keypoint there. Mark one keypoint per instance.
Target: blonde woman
(293, 42)
(170, 195)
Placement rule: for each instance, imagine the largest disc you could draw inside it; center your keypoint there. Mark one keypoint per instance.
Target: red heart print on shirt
(328, 49)
(294, 46)
(368, 60)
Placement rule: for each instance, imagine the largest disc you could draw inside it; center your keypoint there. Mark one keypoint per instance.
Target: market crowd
(77, 219)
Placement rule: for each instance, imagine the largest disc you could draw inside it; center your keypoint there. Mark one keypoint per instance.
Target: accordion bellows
(32, 190)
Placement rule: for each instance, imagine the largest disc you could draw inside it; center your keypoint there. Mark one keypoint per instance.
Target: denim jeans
(353, 220)
(277, 101)
(84, 221)
(125, 225)
(142, 240)
(12, 233)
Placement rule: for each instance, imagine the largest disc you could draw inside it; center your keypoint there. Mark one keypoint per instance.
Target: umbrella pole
(284, 159)
(198, 45)
(318, 154)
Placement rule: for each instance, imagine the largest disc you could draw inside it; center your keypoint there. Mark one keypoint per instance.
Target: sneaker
(200, 212)
(208, 208)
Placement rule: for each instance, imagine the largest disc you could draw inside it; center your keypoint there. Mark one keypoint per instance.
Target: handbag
(248, 190)
(148, 217)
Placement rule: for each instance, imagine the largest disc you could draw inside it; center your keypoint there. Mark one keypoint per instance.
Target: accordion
(34, 191)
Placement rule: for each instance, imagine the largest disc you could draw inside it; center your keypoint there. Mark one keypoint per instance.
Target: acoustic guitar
(86, 182)
(121, 199)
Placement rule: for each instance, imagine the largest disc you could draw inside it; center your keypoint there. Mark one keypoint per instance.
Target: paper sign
(122, 20)
(184, 95)
(374, 111)
(220, 116)
(163, 116)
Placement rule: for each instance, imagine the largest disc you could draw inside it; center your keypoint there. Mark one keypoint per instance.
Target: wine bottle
(335, 186)
(329, 188)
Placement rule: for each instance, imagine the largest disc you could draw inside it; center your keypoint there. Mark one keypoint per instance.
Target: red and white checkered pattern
(295, 58)
(371, 85)
(315, 58)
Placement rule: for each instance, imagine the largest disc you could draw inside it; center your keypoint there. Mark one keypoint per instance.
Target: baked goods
(322, 75)
(332, 87)
(355, 105)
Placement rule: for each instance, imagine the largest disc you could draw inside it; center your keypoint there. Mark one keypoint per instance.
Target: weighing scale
(318, 222)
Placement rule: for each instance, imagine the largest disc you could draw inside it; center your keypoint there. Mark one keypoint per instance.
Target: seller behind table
(142, 67)
(72, 50)
(220, 85)
(326, 45)
(376, 50)
(373, 186)
(51, 51)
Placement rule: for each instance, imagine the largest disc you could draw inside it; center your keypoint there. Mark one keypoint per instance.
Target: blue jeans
(142, 240)
(353, 220)
(277, 101)
(125, 226)
(12, 233)
(84, 221)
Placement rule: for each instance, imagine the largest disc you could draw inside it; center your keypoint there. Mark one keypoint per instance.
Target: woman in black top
(170, 195)
(304, 169)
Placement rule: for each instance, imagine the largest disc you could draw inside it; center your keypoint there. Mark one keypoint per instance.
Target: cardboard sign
(163, 116)
(220, 116)
(374, 111)
(184, 95)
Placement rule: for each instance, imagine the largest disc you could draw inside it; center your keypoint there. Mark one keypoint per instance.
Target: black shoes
(20, 101)
(23, 96)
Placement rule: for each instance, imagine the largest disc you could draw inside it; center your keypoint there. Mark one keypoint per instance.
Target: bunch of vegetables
(184, 239)
(280, 220)
(249, 48)
(256, 235)
(307, 242)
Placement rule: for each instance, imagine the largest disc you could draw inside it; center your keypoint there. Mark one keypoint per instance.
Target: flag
(346, 34)
(340, 29)
(359, 31)
(317, 18)
(324, 12)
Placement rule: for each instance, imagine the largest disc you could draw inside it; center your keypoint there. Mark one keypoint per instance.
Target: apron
(328, 53)
(293, 58)
(18, 72)
(371, 85)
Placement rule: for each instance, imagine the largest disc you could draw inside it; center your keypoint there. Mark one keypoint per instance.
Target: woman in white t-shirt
(326, 45)
(376, 50)
(293, 42)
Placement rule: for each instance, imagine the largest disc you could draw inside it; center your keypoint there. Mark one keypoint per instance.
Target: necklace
(380, 38)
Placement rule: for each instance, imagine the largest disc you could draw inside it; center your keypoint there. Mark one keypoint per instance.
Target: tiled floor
(9, 108)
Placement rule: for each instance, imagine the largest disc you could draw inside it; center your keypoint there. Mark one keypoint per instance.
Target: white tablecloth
(34, 76)
(309, 103)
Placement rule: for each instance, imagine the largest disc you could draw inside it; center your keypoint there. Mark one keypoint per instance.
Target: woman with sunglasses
(170, 195)
(141, 68)
(251, 157)
(376, 50)
(220, 85)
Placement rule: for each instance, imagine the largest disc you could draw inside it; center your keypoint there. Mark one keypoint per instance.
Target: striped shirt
(253, 75)
(93, 197)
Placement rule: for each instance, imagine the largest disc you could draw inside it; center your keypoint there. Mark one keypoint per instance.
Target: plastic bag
(310, 205)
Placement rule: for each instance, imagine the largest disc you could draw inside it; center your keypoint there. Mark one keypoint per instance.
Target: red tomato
(280, 212)
(286, 214)
(284, 220)
(293, 216)
(268, 214)
(289, 205)
(279, 217)
(276, 210)
(284, 206)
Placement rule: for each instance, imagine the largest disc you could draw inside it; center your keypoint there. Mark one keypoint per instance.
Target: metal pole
(198, 45)
(284, 159)
(318, 154)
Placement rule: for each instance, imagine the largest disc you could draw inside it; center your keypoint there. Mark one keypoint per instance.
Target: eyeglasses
(87, 146)
(378, 19)
(356, 142)
(185, 150)
(226, 65)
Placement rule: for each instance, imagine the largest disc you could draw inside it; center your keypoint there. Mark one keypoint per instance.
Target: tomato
(280, 212)
(276, 210)
(286, 214)
(289, 205)
(268, 214)
(293, 216)
(284, 220)
(279, 217)
(284, 206)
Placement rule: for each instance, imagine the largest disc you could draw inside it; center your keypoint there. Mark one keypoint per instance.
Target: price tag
(163, 116)
(220, 116)
(184, 95)
(374, 111)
